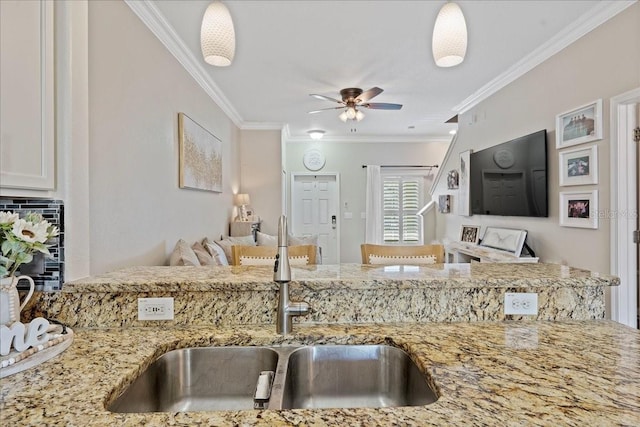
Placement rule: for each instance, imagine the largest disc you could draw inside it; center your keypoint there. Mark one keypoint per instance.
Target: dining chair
(395, 254)
(266, 255)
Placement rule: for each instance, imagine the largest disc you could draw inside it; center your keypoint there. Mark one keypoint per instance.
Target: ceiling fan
(354, 98)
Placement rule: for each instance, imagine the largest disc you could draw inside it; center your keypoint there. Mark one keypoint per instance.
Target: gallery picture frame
(444, 203)
(201, 154)
(464, 205)
(579, 125)
(579, 209)
(578, 166)
(470, 234)
(505, 239)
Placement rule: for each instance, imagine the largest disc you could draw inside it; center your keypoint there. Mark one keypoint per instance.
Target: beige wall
(260, 174)
(136, 90)
(602, 64)
(346, 159)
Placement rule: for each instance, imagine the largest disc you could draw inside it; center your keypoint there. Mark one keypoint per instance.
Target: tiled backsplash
(47, 273)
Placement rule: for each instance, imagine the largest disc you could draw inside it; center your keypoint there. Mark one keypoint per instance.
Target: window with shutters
(401, 200)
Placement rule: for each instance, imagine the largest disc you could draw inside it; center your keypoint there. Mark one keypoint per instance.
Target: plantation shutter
(401, 200)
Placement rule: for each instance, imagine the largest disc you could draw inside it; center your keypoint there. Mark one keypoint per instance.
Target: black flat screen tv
(511, 178)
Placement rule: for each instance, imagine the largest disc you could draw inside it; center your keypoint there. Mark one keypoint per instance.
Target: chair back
(407, 255)
(266, 255)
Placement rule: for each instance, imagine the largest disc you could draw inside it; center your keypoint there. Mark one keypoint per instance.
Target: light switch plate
(155, 308)
(521, 303)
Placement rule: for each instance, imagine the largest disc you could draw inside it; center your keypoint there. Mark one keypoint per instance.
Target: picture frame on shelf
(505, 239)
(200, 156)
(470, 234)
(579, 125)
(578, 166)
(579, 209)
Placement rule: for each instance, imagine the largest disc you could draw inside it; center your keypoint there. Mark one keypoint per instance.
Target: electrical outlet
(521, 303)
(155, 308)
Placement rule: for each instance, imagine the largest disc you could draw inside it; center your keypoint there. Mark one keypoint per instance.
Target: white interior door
(314, 210)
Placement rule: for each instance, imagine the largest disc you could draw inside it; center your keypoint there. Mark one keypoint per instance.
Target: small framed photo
(580, 125)
(579, 166)
(504, 239)
(579, 209)
(444, 203)
(470, 234)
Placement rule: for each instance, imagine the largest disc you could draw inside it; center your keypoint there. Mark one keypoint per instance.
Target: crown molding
(595, 17)
(160, 27)
(261, 126)
(367, 139)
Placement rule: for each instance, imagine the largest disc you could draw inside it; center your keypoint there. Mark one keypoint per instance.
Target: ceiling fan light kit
(353, 99)
(217, 35)
(449, 42)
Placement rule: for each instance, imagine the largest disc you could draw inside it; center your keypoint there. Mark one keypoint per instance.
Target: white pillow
(267, 239)
(183, 255)
(303, 240)
(216, 252)
(402, 260)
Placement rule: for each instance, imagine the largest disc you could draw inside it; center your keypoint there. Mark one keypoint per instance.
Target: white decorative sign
(23, 336)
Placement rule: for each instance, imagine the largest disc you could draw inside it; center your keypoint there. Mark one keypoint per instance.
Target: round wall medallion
(313, 159)
(504, 159)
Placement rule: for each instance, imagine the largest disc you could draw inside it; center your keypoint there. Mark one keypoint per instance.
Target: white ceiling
(286, 50)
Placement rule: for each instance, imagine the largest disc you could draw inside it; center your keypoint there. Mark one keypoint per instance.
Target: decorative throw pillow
(183, 255)
(216, 252)
(203, 255)
(267, 239)
(226, 244)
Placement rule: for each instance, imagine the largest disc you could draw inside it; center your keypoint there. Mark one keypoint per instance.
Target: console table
(461, 252)
(244, 228)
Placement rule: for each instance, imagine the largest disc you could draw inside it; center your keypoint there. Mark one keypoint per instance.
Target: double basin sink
(241, 378)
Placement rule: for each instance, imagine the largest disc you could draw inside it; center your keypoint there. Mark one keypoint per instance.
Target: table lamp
(242, 200)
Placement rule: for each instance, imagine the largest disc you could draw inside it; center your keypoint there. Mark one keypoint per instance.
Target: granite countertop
(487, 373)
(349, 276)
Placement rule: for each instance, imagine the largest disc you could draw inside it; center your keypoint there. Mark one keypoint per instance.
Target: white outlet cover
(521, 303)
(155, 308)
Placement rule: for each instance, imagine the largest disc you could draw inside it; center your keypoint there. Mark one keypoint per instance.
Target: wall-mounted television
(511, 178)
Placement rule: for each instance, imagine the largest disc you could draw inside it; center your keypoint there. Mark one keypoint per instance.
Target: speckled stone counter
(347, 293)
(573, 373)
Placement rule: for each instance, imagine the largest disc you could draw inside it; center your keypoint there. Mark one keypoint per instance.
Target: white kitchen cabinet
(27, 134)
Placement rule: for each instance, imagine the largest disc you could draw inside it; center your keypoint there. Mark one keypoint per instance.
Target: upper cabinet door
(27, 154)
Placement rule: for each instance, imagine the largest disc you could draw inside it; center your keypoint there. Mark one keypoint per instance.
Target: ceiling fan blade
(326, 98)
(325, 109)
(381, 106)
(368, 94)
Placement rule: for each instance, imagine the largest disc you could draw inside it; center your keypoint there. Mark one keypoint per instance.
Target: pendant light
(217, 35)
(449, 36)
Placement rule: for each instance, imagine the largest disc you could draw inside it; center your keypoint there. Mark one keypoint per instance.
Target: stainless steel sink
(198, 379)
(320, 376)
(354, 376)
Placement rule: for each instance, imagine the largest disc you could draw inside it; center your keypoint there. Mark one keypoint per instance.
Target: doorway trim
(624, 307)
(338, 207)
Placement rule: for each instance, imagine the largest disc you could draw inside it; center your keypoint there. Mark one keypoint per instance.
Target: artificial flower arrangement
(22, 237)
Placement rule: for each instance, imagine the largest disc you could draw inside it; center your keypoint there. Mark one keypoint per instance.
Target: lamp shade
(449, 42)
(242, 199)
(217, 35)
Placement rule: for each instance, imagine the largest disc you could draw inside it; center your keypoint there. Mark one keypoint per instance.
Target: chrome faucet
(282, 275)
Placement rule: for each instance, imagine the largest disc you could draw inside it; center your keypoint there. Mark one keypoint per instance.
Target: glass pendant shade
(217, 35)
(359, 115)
(343, 116)
(351, 113)
(449, 42)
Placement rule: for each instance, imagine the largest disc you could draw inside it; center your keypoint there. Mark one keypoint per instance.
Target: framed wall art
(505, 239)
(200, 156)
(579, 209)
(470, 234)
(444, 203)
(463, 184)
(580, 125)
(579, 166)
